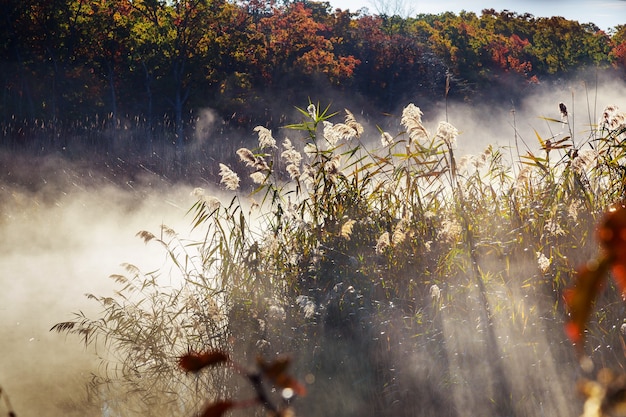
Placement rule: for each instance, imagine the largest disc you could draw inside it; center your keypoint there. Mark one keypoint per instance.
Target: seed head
(293, 171)
(353, 124)
(310, 149)
(412, 121)
(290, 154)
(563, 110)
(346, 229)
(400, 231)
(543, 262)
(265, 137)
(258, 177)
(252, 160)
(308, 176)
(307, 305)
(382, 243)
(554, 229)
(464, 162)
(332, 166)
(447, 133)
(523, 178)
(198, 192)
(260, 164)
(398, 236)
(435, 292)
(583, 160)
(229, 178)
(211, 202)
(246, 156)
(450, 231)
(333, 133)
(612, 119)
(573, 208)
(386, 139)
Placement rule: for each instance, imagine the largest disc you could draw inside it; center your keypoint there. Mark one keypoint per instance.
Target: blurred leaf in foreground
(612, 237)
(580, 298)
(195, 362)
(217, 409)
(276, 372)
(590, 277)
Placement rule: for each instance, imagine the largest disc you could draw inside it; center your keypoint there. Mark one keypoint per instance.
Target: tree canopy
(159, 61)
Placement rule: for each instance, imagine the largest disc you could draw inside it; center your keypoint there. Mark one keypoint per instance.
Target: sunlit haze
(406, 223)
(604, 13)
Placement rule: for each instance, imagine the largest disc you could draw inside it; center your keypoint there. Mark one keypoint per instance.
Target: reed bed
(402, 278)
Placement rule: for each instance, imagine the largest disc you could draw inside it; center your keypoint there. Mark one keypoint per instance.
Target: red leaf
(194, 362)
(619, 273)
(612, 230)
(589, 280)
(216, 409)
(275, 368)
(277, 373)
(612, 237)
(285, 381)
(581, 297)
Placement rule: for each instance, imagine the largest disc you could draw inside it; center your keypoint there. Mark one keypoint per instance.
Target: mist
(513, 123)
(61, 241)
(66, 227)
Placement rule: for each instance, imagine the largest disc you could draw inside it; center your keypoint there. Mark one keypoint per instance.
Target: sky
(604, 13)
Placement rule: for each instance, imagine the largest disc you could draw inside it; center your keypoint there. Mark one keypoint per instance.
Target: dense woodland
(93, 64)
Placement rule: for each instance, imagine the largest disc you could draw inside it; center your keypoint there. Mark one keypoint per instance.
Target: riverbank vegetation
(401, 278)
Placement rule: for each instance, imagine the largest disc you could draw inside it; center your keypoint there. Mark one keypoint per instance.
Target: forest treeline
(157, 63)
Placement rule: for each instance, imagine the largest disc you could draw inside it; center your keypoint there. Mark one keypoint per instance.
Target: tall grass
(123, 147)
(404, 279)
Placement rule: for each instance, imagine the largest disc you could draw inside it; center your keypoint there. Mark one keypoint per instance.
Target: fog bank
(62, 236)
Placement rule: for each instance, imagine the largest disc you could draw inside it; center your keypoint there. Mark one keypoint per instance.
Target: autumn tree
(561, 45)
(238, 54)
(107, 42)
(15, 57)
(461, 43)
(171, 40)
(508, 23)
(44, 38)
(396, 62)
(510, 40)
(295, 44)
(618, 50)
(509, 54)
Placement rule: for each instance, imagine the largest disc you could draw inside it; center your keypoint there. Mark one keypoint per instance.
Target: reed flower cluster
(447, 133)
(229, 178)
(266, 140)
(412, 121)
(613, 119)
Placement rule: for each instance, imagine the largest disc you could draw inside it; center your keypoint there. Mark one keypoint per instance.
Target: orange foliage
(295, 41)
(508, 54)
(619, 54)
(591, 277)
